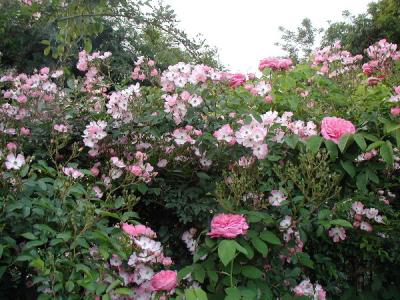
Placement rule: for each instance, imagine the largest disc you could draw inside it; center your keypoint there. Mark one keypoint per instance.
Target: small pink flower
(11, 146)
(44, 71)
(276, 198)
(154, 72)
(138, 230)
(25, 131)
(164, 280)
(395, 111)
(337, 234)
(333, 128)
(365, 226)
(14, 162)
(268, 99)
(228, 226)
(275, 63)
(22, 99)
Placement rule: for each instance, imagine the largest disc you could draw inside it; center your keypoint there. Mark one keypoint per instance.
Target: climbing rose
(228, 226)
(164, 281)
(333, 128)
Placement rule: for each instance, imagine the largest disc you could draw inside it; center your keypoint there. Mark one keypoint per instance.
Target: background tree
(59, 29)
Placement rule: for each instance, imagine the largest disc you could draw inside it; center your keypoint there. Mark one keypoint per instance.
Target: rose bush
(192, 183)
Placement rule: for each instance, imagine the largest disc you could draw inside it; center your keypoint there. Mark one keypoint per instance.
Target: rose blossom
(228, 226)
(395, 111)
(137, 230)
(333, 128)
(164, 281)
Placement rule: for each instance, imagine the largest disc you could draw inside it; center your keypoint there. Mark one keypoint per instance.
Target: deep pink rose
(333, 128)
(228, 226)
(164, 281)
(237, 80)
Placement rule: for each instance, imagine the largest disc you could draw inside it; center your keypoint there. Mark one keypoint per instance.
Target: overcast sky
(245, 31)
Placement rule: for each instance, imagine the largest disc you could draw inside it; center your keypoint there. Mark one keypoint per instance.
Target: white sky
(245, 31)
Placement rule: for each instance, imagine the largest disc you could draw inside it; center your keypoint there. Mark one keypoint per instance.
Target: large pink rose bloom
(164, 281)
(228, 226)
(333, 128)
(237, 80)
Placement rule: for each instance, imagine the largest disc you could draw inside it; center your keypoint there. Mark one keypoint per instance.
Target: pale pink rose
(164, 280)
(397, 90)
(44, 70)
(228, 226)
(367, 69)
(275, 63)
(137, 230)
(333, 128)
(136, 170)
(25, 131)
(268, 99)
(11, 146)
(95, 171)
(22, 99)
(151, 63)
(395, 111)
(365, 226)
(154, 72)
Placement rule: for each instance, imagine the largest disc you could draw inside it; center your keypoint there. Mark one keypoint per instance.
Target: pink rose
(137, 230)
(228, 226)
(395, 111)
(237, 80)
(164, 281)
(275, 63)
(333, 128)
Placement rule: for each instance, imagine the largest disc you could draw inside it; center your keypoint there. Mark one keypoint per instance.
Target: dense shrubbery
(255, 187)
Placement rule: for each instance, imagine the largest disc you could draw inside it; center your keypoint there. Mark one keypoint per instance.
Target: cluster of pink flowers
(395, 111)
(118, 103)
(84, 58)
(381, 55)
(93, 134)
(177, 76)
(189, 240)
(185, 135)
(261, 88)
(142, 67)
(362, 216)
(226, 134)
(178, 105)
(25, 94)
(236, 80)
(142, 169)
(60, 128)
(333, 128)
(138, 273)
(276, 64)
(334, 60)
(337, 234)
(306, 288)
(228, 226)
(72, 172)
(253, 135)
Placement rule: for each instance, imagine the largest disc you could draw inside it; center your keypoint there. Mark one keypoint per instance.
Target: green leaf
(185, 271)
(270, 237)
(260, 246)
(374, 145)
(251, 272)
(389, 127)
(240, 248)
(314, 143)
(124, 291)
(69, 286)
(142, 188)
(29, 236)
(341, 222)
(87, 45)
(305, 260)
(344, 141)
(360, 141)
(386, 152)
(46, 51)
(195, 294)
(199, 273)
(232, 294)
(226, 251)
(332, 149)
(348, 167)
(37, 263)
